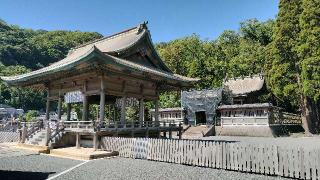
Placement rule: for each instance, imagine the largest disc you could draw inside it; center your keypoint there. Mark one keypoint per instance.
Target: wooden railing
(54, 132)
(77, 124)
(285, 118)
(116, 124)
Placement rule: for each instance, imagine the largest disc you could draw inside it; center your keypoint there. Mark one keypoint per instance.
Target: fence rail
(254, 158)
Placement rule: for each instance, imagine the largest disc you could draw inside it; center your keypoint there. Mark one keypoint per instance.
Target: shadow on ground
(17, 175)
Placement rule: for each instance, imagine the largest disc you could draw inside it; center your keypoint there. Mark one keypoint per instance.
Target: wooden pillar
(48, 104)
(180, 130)
(141, 111)
(85, 108)
(156, 112)
(102, 100)
(123, 110)
(59, 106)
(68, 111)
(78, 141)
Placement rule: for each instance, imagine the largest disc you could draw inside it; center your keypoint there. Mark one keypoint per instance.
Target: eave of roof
(86, 54)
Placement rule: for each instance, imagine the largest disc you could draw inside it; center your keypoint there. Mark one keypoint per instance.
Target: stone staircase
(197, 132)
(38, 138)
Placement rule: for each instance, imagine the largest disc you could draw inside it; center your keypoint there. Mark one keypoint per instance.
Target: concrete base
(247, 130)
(81, 153)
(34, 148)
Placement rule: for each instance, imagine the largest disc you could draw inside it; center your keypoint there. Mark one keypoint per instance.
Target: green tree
(285, 70)
(308, 49)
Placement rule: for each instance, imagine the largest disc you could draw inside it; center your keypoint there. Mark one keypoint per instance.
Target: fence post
(48, 133)
(180, 130)
(24, 133)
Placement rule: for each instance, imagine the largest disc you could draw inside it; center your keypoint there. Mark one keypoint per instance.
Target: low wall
(249, 130)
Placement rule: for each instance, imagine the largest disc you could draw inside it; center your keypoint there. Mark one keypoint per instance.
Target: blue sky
(168, 19)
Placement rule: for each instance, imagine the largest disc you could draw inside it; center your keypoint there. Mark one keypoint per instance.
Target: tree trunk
(307, 115)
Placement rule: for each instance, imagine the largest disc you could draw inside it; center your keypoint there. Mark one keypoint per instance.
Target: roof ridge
(142, 25)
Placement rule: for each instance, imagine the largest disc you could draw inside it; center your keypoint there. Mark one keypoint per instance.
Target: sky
(167, 19)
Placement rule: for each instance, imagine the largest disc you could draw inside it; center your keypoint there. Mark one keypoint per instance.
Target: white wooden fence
(6, 136)
(244, 157)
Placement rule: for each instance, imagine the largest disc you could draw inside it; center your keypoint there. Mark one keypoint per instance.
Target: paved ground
(20, 164)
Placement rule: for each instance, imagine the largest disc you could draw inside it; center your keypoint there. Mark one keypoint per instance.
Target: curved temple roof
(101, 50)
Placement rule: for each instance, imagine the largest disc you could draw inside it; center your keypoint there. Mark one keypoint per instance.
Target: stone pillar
(102, 100)
(48, 105)
(85, 108)
(95, 141)
(24, 133)
(156, 112)
(141, 111)
(48, 133)
(68, 111)
(78, 141)
(123, 110)
(59, 106)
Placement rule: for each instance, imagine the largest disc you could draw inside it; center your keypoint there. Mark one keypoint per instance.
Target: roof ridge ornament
(142, 26)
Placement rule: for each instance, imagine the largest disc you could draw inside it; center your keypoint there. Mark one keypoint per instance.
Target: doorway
(201, 117)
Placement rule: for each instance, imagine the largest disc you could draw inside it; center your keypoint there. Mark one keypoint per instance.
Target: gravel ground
(33, 166)
(306, 142)
(123, 168)
(7, 151)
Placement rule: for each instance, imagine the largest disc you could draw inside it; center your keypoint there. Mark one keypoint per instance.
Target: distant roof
(240, 106)
(104, 50)
(244, 85)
